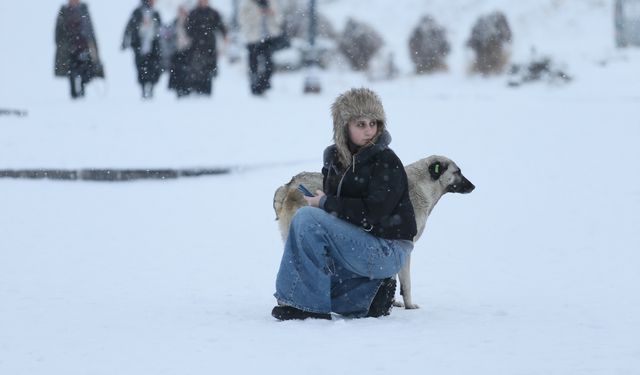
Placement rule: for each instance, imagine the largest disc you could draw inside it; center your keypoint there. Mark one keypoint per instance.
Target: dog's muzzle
(464, 186)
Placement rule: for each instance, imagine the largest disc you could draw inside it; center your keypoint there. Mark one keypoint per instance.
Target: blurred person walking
(181, 44)
(76, 47)
(142, 34)
(202, 25)
(260, 22)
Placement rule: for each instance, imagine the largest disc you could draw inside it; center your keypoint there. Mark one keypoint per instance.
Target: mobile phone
(305, 191)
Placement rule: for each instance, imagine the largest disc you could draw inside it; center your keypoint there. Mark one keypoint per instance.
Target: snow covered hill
(535, 272)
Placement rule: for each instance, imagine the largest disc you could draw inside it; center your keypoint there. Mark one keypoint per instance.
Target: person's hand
(314, 201)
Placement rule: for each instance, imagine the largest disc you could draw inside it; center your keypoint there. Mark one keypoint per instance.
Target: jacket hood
(350, 105)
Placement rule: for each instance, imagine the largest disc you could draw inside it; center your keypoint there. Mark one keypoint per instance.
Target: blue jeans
(330, 265)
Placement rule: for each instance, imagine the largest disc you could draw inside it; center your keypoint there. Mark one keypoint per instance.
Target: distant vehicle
(627, 22)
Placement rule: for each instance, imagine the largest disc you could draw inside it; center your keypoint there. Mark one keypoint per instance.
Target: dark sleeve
(327, 165)
(220, 25)
(129, 30)
(60, 26)
(190, 26)
(157, 16)
(325, 171)
(158, 22)
(89, 25)
(386, 187)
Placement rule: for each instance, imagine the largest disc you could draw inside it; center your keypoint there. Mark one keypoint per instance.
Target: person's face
(74, 2)
(362, 130)
(203, 3)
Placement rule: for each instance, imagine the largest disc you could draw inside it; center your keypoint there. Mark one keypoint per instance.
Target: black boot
(383, 300)
(291, 313)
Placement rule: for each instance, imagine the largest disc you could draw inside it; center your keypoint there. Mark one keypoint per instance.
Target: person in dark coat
(202, 25)
(142, 34)
(76, 47)
(181, 44)
(344, 249)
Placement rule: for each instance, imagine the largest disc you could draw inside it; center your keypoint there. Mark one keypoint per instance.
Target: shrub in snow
(359, 43)
(298, 56)
(490, 38)
(295, 26)
(382, 67)
(541, 69)
(296, 18)
(428, 46)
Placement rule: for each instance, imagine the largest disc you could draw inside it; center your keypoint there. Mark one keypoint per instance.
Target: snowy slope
(535, 272)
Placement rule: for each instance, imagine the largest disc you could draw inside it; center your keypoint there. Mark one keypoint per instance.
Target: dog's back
(287, 199)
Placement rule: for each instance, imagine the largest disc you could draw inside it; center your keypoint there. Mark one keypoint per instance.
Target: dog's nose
(463, 187)
(467, 186)
(471, 187)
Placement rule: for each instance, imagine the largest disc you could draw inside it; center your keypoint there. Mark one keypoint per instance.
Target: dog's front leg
(405, 284)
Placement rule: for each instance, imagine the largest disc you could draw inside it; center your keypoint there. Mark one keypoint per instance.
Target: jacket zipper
(353, 167)
(340, 183)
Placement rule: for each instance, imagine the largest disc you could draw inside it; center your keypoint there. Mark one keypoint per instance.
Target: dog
(429, 179)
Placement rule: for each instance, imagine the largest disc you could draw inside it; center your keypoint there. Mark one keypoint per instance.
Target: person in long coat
(142, 34)
(76, 48)
(260, 22)
(203, 24)
(181, 44)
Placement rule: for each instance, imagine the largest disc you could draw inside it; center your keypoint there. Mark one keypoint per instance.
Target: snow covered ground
(535, 272)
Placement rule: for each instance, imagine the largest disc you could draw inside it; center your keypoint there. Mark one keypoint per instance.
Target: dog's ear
(437, 169)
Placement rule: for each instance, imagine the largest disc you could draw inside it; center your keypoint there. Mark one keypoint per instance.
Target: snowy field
(536, 272)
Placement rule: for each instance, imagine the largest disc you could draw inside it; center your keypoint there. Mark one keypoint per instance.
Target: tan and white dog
(429, 179)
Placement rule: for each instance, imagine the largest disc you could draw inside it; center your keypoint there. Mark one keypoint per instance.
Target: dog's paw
(406, 305)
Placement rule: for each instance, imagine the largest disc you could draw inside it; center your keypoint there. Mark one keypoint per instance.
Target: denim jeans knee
(332, 265)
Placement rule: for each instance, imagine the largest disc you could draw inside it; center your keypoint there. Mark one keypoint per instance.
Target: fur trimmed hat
(350, 105)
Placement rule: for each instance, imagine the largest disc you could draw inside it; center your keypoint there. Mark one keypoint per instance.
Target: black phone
(305, 191)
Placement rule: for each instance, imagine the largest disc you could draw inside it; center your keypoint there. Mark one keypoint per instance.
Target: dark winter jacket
(202, 25)
(75, 38)
(371, 192)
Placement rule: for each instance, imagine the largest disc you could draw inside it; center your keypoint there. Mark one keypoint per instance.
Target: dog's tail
(278, 200)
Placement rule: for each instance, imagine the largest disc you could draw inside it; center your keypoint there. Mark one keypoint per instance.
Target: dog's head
(448, 175)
